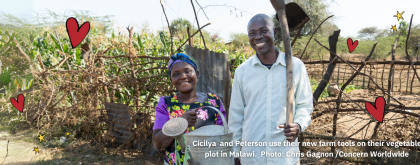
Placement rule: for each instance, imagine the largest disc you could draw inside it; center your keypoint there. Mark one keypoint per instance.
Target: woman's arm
(162, 116)
(161, 140)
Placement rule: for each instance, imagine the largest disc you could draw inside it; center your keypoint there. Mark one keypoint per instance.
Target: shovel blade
(296, 17)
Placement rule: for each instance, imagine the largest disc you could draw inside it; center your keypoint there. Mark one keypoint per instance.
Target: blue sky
(350, 16)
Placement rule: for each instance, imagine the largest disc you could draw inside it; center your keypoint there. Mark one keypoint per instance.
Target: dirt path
(19, 152)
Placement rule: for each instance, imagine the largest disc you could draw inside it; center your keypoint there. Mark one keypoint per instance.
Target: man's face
(261, 35)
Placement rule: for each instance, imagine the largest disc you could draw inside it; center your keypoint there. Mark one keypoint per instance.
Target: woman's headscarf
(181, 57)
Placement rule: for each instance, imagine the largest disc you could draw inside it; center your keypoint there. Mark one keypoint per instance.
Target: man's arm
(304, 100)
(237, 106)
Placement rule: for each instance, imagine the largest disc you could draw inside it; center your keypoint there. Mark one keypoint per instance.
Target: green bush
(314, 85)
(324, 94)
(12, 126)
(349, 88)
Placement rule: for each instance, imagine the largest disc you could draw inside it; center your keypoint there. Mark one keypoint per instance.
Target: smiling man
(258, 101)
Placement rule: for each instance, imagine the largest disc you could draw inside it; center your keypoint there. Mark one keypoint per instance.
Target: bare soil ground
(395, 128)
(21, 152)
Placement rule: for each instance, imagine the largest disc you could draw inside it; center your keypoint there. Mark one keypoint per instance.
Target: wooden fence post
(352, 72)
(382, 77)
(345, 70)
(391, 71)
(408, 79)
(330, 70)
(105, 88)
(370, 74)
(357, 81)
(133, 74)
(412, 80)
(363, 84)
(376, 76)
(399, 90)
(338, 73)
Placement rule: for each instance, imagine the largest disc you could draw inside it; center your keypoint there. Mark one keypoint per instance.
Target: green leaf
(10, 41)
(162, 38)
(57, 45)
(66, 48)
(30, 83)
(139, 41)
(78, 56)
(39, 43)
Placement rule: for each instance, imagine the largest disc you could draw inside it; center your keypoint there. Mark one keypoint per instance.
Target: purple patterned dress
(169, 107)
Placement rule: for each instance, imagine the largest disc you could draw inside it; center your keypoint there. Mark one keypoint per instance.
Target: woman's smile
(185, 83)
(184, 77)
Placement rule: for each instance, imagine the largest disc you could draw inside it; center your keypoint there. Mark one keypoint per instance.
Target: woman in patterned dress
(187, 103)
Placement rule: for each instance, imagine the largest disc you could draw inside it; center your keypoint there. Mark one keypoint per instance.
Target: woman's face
(184, 77)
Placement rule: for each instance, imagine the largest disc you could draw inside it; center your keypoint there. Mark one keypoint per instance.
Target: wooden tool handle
(280, 7)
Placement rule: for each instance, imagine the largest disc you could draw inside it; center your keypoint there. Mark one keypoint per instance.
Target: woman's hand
(161, 140)
(191, 117)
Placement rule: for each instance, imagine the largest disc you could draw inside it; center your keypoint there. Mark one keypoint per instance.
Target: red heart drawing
(18, 104)
(352, 45)
(76, 33)
(377, 111)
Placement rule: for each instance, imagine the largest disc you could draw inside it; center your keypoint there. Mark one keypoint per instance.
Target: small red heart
(76, 33)
(18, 104)
(377, 111)
(352, 45)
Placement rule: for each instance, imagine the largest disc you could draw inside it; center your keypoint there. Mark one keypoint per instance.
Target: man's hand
(292, 129)
(237, 162)
(191, 117)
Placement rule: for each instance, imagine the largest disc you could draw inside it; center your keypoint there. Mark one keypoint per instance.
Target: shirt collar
(280, 59)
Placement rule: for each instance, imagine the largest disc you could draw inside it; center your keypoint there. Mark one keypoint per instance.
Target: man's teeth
(260, 44)
(184, 82)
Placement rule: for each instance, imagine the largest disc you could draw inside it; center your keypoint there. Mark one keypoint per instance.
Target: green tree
(368, 32)
(382, 33)
(414, 40)
(239, 40)
(179, 27)
(403, 28)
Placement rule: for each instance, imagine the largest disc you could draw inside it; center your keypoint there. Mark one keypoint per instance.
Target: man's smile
(260, 44)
